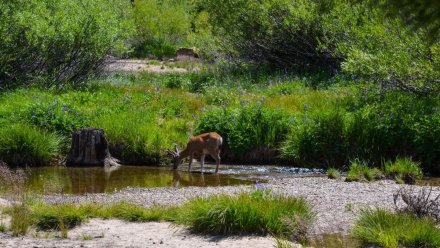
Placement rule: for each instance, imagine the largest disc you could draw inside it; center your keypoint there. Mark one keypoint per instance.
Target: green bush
(277, 33)
(248, 127)
(23, 145)
(161, 26)
(54, 42)
(318, 139)
(392, 230)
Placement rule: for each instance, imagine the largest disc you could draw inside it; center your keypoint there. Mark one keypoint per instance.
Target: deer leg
(217, 161)
(202, 161)
(190, 162)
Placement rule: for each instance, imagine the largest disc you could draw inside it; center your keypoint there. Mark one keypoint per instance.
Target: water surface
(68, 180)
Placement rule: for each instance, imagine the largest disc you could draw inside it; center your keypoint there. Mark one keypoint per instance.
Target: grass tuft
(391, 230)
(257, 212)
(333, 173)
(359, 171)
(20, 220)
(403, 169)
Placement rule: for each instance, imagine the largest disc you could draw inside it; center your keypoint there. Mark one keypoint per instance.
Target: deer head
(174, 155)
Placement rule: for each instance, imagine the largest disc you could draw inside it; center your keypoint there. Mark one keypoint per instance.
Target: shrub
(161, 26)
(392, 230)
(403, 168)
(55, 42)
(257, 212)
(22, 145)
(246, 128)
(418, 203)
(319, 140)
(277, 33)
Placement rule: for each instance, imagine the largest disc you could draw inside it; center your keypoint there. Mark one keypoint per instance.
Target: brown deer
(205, 143)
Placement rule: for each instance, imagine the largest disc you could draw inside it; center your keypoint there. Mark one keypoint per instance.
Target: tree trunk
(89, 148)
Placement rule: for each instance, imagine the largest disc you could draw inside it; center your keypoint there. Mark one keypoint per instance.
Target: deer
(205, 143)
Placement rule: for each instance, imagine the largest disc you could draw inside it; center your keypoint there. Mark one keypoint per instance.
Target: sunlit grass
(257, 212)
(390, 230)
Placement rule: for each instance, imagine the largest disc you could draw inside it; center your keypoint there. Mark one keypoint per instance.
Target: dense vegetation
(309, 83)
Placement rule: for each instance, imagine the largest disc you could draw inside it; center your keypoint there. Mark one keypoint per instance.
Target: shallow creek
(48, 180)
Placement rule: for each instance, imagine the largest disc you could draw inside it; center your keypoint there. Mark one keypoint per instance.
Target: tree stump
(90, 148)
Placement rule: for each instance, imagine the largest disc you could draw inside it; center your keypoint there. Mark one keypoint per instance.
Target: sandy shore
(335, 203)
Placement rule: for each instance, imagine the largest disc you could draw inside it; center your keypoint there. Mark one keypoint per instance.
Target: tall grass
(391, 230)
(22, 145)
(259, 212)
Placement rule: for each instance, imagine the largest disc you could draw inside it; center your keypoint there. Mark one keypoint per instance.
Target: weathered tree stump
(90, 148)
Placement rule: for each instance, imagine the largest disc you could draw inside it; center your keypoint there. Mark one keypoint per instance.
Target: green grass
(403, 169)
(333, 173)
(391, 230)
(22, 144)
(20, 219)
(359, 171)
(145, 114)
(257, 212)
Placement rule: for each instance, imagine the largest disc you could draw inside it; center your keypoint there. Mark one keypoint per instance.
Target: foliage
(317, 139)
(257, 212)
(57, 217)
(271, 32)
(359, 171)
(247, 127)
(392, 230)
(22, 145)
(57, 42)
(403, 168)
(382, 48)
(333, 173)
(161, 26)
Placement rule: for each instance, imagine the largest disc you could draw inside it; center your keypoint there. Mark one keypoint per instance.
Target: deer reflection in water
(181, 179)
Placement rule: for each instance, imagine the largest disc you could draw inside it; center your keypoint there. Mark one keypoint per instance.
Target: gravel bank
(336, 203)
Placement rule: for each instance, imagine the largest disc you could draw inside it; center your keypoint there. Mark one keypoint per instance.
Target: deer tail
(220, 143)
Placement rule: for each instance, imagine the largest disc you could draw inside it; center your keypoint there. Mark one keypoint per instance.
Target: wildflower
(306, 106)
(259, 186)
(63, 108)
(262, 100)
(242, 103)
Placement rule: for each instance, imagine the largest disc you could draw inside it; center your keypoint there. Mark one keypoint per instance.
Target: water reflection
(69, 180)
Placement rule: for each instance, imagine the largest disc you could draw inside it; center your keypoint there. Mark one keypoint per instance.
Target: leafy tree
(58, 41)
